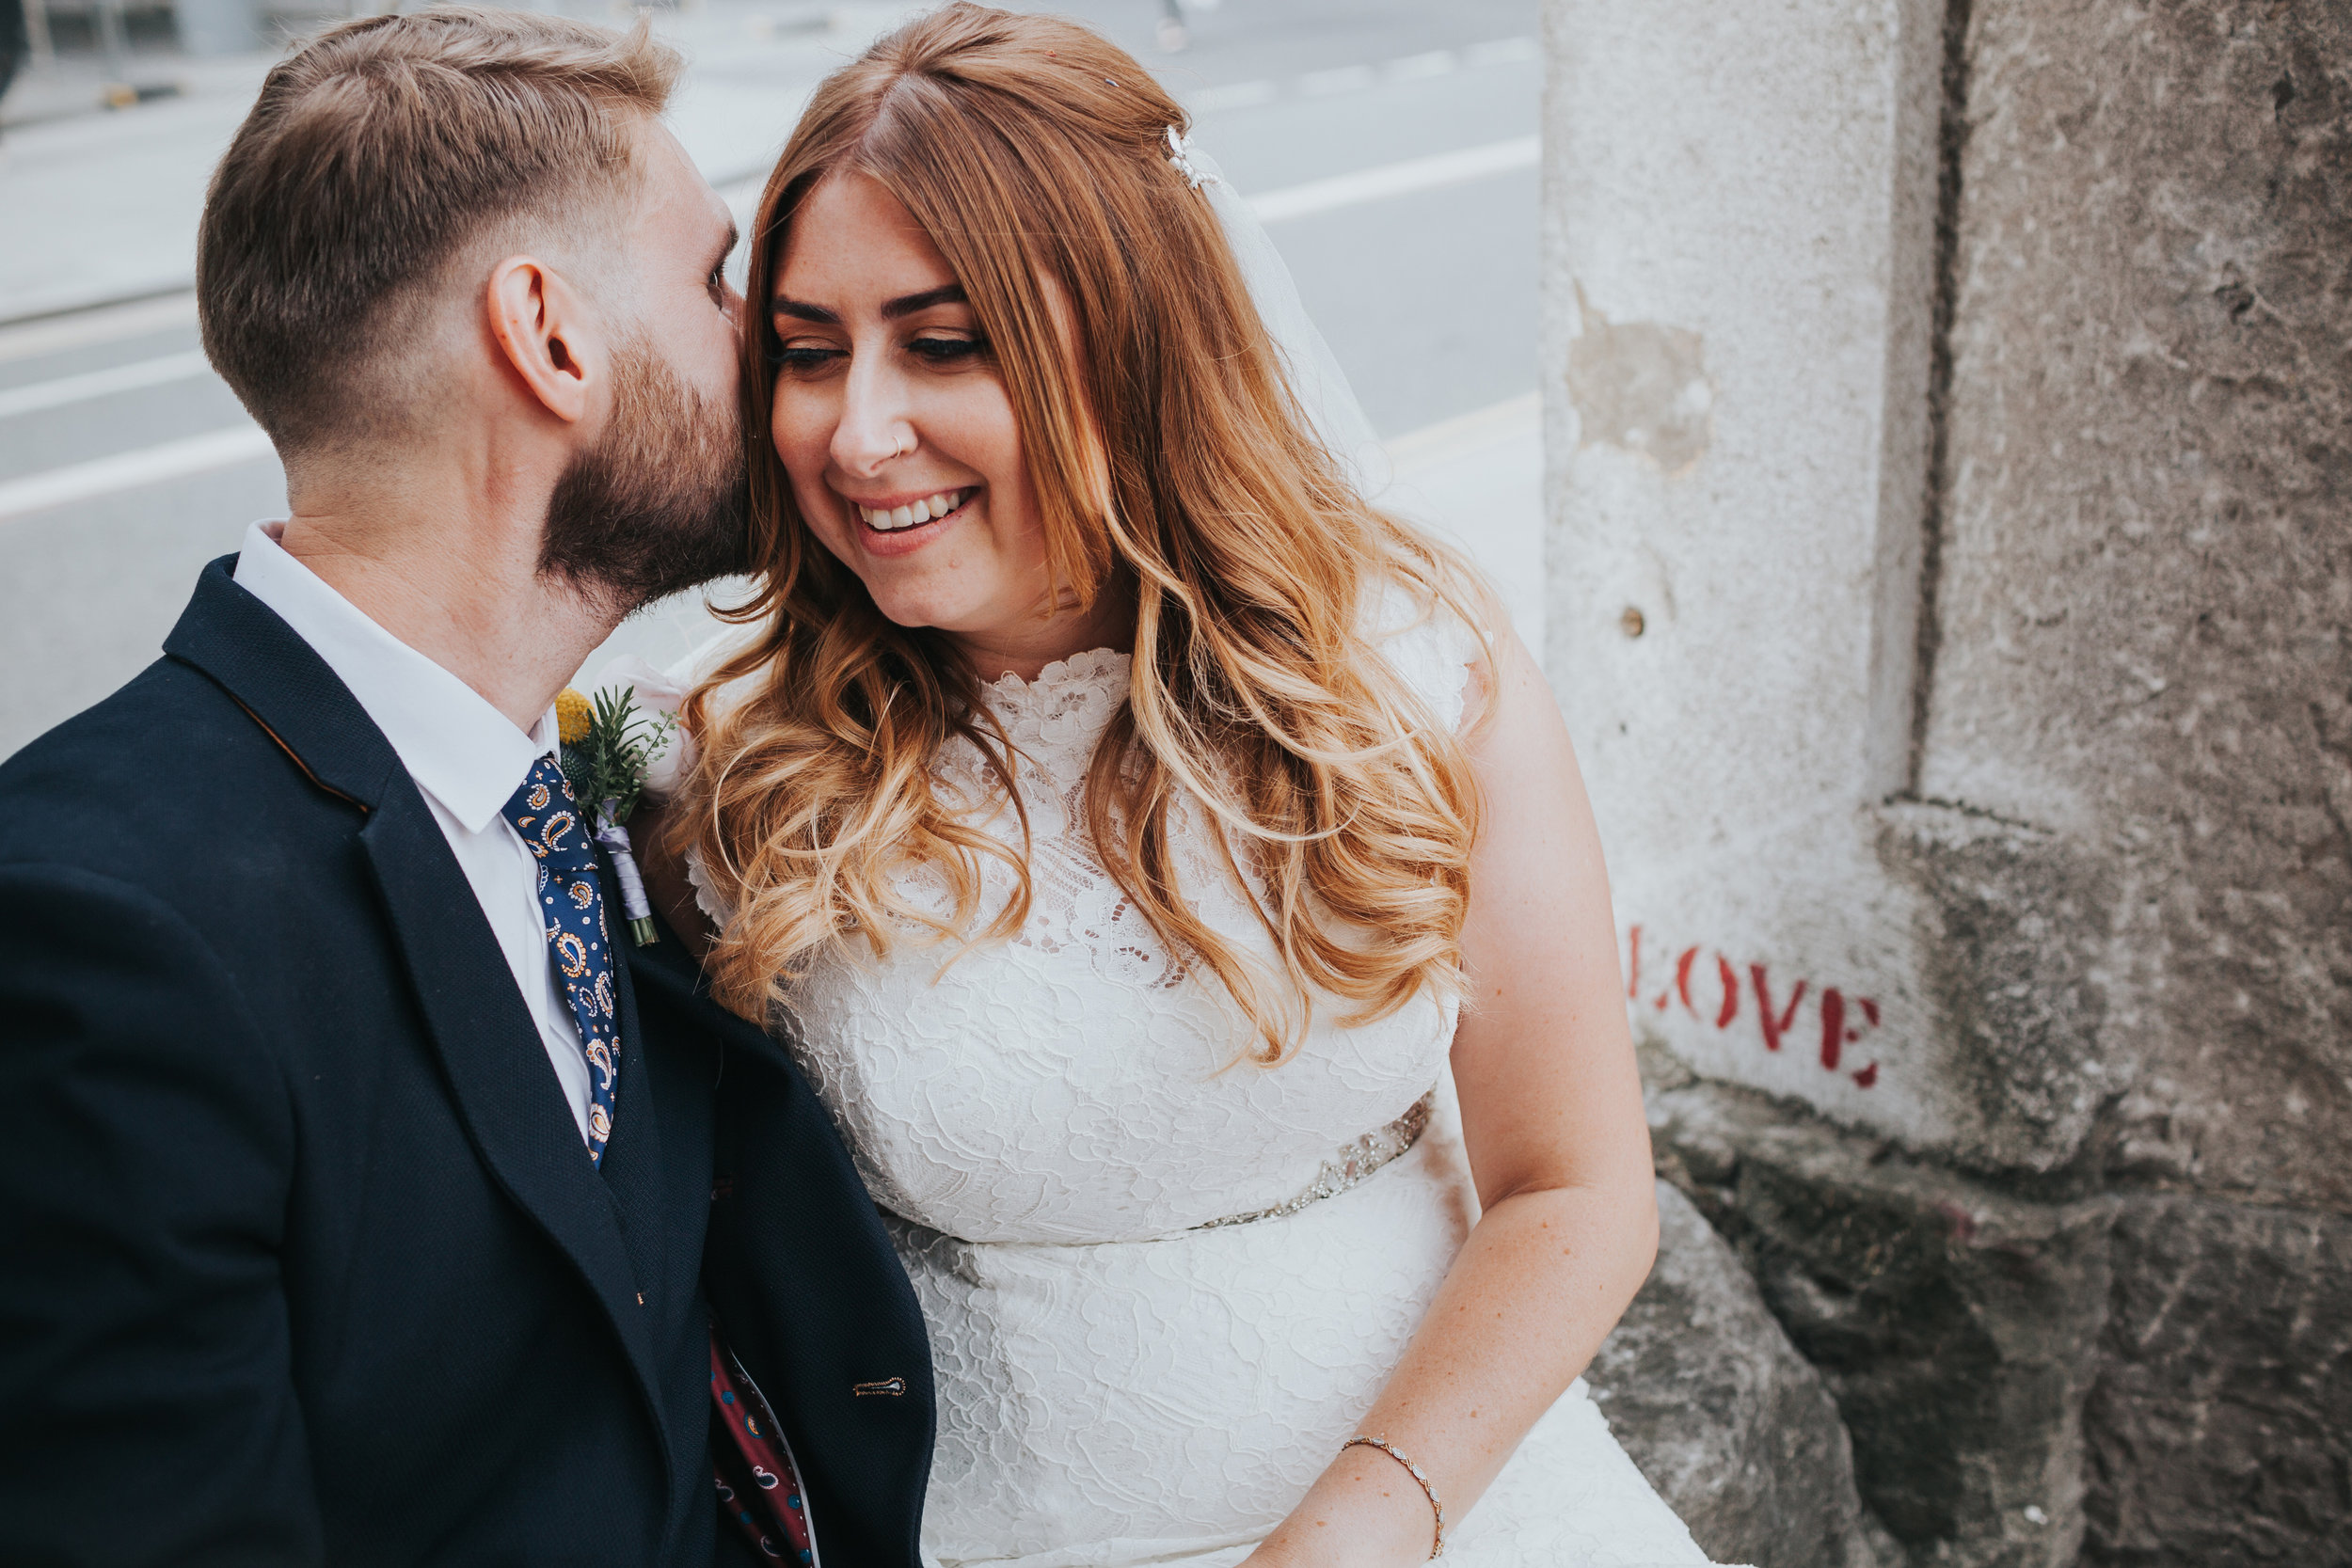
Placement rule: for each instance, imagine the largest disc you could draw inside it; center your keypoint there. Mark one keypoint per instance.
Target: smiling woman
(1092, 390)
(897, 433)
(1138, 839)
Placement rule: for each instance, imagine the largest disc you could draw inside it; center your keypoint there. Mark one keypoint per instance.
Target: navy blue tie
(571, 908)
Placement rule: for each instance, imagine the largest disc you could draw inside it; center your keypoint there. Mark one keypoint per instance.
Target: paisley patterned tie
(571, 905)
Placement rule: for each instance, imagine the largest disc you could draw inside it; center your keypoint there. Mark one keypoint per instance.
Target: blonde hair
(1170, 461)
(375, 154)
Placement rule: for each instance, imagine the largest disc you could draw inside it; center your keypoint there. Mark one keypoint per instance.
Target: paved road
(1393, 143)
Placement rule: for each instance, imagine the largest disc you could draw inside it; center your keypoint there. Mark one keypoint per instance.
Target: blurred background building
(1918, 433)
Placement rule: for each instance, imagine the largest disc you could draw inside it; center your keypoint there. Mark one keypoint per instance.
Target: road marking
(1466, 434)
(221, 448)
(1347, 78)
(1391, 179)
(128, 471)
(1322, 196)
(99, 384)
(1510, 51)
(1353, 78)
(105, 324)
(1236, 95)
(1413, 67)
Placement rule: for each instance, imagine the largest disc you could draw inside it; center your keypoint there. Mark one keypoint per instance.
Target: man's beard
(658, 505)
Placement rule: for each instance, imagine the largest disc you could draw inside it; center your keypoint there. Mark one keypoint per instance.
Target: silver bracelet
(1411, 1470)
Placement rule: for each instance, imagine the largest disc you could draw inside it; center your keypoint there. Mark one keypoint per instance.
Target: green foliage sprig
(617, 743)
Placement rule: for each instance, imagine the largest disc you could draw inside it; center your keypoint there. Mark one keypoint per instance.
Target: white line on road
(1416, 452)
(1413, 174)
(1346, 78)
(1408, 68)
(1520, 50)
(197, 454)
(1415, 68)
(1233, 95)
(1319, 196)
(105, 325)
(100, 384)
(221, 447)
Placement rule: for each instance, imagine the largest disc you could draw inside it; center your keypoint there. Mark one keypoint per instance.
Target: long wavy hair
(1171, 463)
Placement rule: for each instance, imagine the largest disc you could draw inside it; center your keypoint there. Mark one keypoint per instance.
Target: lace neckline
(1096, 670)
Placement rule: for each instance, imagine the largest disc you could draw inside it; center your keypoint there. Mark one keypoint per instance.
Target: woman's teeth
(891, 519)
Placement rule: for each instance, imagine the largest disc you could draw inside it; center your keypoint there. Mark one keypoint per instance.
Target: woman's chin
(919, 612)
(907, 619)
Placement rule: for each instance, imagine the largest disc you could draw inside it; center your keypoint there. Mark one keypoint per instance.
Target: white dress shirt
(467, 758)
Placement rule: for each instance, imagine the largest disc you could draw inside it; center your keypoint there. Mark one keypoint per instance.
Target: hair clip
(1180, 154)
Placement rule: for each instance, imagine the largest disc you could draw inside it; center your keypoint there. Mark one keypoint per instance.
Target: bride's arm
(1552, 1114)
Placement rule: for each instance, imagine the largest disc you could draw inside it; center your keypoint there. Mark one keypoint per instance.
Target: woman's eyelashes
(804, 358)
(948, 351)
(937, 350)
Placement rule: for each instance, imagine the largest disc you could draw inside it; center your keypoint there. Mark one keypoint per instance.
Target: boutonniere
(608, 747)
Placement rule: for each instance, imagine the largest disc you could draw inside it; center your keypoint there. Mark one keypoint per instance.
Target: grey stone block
(1722, 1415)
(1955, 1326)
(2132, 1380)
(2014, 923)
(2220, 1427)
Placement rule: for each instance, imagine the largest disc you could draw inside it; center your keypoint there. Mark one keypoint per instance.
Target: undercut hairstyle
(377, 155)
(1173, 466)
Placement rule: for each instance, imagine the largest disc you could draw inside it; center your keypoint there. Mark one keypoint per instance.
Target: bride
(1171, 871)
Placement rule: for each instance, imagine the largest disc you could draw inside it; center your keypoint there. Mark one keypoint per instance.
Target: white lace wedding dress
(1161, 1288)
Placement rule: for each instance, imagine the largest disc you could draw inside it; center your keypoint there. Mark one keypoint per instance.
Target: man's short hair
(377, 154)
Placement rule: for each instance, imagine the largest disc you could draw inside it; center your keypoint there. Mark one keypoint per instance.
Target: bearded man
(365, 1191)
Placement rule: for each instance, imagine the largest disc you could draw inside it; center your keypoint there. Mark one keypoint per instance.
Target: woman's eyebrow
(906, 304)
(799, 312)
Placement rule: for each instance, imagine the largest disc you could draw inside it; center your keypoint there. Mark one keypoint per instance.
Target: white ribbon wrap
(616, 839)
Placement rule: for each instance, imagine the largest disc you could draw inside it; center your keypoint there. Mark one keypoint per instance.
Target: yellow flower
(572, 716)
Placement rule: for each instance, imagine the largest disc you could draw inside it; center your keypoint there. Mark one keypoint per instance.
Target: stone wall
(1950, 420)
(1736, 1430)
(2145, 574)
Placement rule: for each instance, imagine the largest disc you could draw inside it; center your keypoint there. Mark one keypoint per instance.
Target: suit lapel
(632, 1156)
(490, 1049)
(506, 1096)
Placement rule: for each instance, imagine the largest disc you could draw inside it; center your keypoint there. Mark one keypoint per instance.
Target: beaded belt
(1351, 1166)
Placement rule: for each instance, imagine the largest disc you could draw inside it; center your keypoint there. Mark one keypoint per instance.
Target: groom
(359, 1204)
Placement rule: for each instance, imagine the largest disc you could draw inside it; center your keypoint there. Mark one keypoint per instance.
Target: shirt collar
(461, 751)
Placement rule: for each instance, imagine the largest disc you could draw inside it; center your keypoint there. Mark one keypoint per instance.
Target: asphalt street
(1390, 145)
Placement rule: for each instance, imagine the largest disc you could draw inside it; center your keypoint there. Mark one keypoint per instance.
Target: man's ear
(542, 326)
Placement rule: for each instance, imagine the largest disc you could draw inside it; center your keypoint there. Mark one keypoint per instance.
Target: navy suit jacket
(302, 1259)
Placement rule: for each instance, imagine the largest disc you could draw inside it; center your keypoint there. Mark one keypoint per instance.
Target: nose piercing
(899, 447)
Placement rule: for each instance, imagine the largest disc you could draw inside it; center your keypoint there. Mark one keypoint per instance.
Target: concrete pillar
(1949, 574)
(2144, 597)
(1739, 229)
